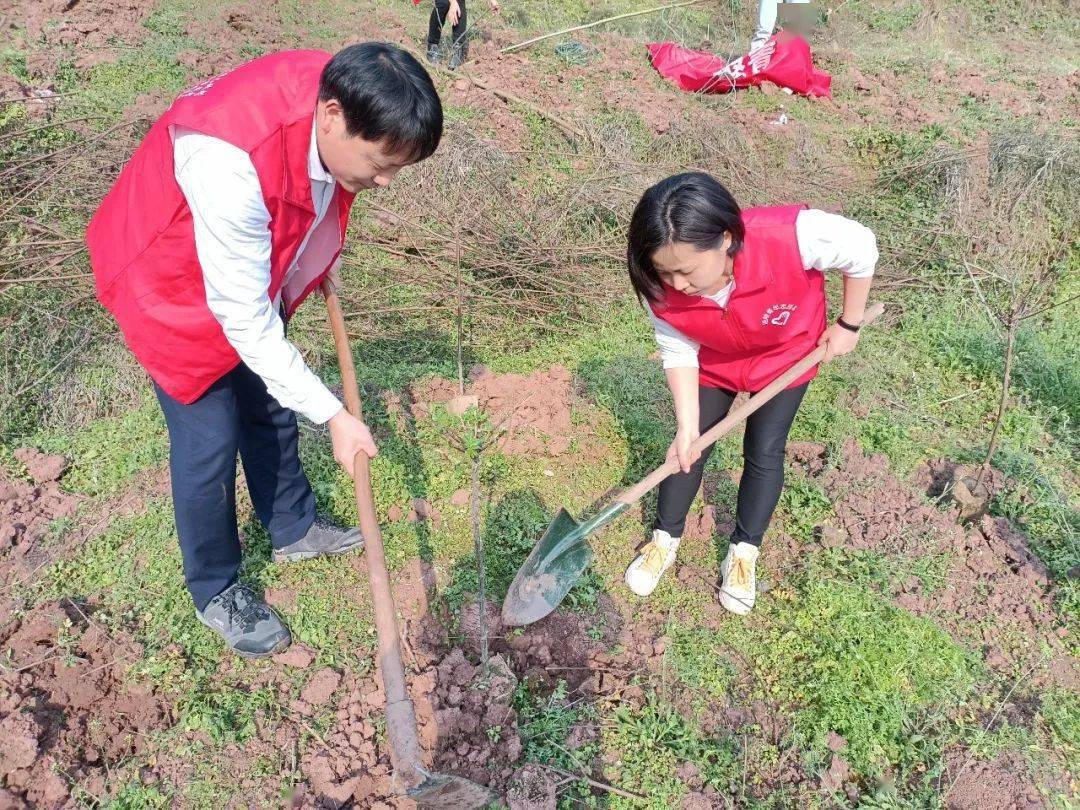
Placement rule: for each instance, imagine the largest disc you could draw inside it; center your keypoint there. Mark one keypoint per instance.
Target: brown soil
(1003, 782)
(997, 595)
(67, 706)
(532, 412)
(229, 30)
(621, 74)
(86, 29)
(27, 510)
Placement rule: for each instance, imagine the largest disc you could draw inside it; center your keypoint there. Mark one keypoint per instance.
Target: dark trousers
(438, 19)
(235, 414)
(762, 480)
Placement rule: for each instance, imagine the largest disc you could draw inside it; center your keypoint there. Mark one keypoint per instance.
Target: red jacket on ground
(142, 240)
(791, 66)
(775, 316)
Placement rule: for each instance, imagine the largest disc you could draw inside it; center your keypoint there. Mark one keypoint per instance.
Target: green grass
(845, 660)
(109, 452)
(544, 724)
(825, 646)
(883, 572)
(650, 742)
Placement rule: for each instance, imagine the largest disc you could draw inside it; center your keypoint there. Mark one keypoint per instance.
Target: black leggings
(438, 19)
(763, 465)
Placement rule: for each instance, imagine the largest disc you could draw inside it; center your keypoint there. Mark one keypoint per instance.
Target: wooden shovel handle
(401, 719)
(671, 466)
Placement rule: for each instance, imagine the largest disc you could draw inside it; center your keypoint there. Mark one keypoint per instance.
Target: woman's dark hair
(386, 96)
(692, 208)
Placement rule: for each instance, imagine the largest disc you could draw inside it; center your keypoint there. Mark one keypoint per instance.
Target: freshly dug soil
(997, 594)
(532, 411)
(66, 703)
(28, 509)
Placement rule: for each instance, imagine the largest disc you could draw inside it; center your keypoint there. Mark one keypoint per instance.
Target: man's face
(355, 163)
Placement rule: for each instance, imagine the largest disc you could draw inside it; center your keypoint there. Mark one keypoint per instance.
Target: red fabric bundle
(790, 66)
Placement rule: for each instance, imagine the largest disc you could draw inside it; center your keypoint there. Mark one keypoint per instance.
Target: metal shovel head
(441, 790)
(559, 557)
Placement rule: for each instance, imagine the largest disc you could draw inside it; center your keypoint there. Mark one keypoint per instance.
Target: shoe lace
(740, 573)
(244, 609)
(655, 557)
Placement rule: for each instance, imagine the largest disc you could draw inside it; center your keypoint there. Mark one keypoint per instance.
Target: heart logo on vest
(778, 314)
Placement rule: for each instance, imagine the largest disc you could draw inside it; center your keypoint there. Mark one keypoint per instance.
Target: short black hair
(386, 96)
(693, 208)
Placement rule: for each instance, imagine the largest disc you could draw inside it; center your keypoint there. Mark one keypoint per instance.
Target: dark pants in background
(438, 19)
(762, 479)
(235, 414)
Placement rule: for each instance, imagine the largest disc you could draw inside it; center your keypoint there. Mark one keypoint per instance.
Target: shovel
(426, 788)
(562, 554)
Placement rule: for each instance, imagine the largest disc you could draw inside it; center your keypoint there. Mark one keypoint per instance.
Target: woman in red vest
(231, 211)
(736, 298)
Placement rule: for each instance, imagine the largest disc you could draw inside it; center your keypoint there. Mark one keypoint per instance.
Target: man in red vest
(231, 211)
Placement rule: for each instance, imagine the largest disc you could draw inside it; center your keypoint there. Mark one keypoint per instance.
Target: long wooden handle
(400, 716)
(671, 466)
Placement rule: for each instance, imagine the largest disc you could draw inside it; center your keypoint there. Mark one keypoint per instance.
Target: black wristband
(848, 326)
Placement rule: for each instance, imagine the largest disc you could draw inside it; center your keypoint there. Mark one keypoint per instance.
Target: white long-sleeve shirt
(826, 242)
(233, 243)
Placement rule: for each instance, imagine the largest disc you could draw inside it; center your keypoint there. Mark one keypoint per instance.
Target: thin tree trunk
(478, 550)
(1010, 347)
(459, 314)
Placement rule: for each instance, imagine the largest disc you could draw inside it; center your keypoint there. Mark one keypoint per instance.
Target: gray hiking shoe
(434, 56)
(322, 539)
(458, 54)
(248, 625)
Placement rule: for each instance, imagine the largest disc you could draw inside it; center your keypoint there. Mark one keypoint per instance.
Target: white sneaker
(739, 588)
(655, 558)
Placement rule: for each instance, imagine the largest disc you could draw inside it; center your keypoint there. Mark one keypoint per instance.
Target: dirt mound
(42, 468)
(996, 593)
(352, 764)
(936, 475)
(465, 716)
(563, 646)
(87, 28)
(66, 705)
(465, 721)
(236, 31)
(28, 509)
(1002, 782)
(533, 411)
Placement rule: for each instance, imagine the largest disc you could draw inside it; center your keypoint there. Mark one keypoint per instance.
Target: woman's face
(693, 271)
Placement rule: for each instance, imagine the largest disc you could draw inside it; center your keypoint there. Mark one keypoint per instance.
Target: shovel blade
(556, 562)
(448, 792)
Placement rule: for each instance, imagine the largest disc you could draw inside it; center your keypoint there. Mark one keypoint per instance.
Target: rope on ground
(542, 37)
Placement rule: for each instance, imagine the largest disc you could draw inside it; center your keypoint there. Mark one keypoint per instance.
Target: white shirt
(826, 242)
(232, 240)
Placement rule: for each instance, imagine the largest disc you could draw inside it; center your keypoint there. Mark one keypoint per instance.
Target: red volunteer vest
(775, 315)
(142, 241)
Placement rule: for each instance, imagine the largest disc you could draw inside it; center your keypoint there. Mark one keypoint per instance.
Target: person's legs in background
(439, 14)
(767, 21)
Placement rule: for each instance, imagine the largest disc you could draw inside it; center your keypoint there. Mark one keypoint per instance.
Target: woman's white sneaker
(740, 581)
(655, 558)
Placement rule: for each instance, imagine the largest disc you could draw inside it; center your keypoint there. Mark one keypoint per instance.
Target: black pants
(763, 465)
(438, 19)
(235, 414)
